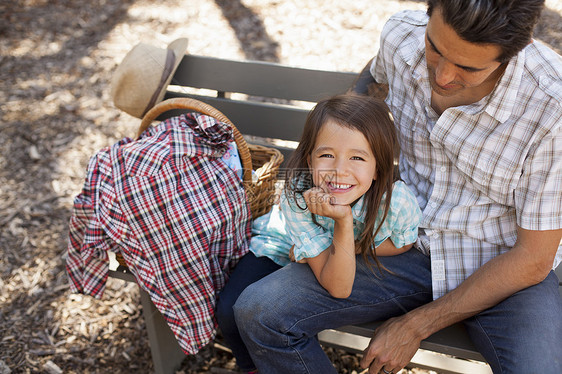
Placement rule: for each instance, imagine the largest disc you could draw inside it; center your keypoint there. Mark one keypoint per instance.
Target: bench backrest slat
(274, 108)
(260, 78)
(257, 118)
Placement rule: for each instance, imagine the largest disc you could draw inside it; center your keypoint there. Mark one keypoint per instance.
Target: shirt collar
(503, 98)
(414, 55)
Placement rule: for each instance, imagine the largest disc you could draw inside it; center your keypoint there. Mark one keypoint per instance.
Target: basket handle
(204, 108)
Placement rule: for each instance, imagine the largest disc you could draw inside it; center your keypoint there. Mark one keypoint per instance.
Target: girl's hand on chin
(324, 204)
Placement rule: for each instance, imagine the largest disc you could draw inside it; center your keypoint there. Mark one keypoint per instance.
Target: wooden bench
(269, 103)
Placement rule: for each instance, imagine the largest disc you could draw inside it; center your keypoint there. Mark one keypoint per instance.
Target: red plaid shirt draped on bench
(176, 212)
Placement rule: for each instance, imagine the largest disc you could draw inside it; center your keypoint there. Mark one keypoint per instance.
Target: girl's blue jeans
(248, 270)
(280, 315)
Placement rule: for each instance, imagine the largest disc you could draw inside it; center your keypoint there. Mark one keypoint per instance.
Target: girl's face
(342, 163)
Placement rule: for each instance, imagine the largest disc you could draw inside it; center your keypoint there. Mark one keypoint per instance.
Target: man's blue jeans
(280, 315)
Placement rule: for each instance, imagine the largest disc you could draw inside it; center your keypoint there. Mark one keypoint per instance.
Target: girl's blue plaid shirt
(286, 225)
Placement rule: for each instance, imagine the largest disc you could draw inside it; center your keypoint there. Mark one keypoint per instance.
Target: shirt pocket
(493, 174)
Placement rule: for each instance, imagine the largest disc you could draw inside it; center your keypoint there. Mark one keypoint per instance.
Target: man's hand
(392, 347)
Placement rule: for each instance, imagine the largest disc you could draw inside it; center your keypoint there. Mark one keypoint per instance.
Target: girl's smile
(342, 163)
(336, 187)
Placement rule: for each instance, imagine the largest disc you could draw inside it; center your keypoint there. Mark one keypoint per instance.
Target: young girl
(341, 198)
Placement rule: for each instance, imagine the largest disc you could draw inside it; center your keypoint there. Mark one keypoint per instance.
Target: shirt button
(435, 236)
(443, 169)
(545, 81)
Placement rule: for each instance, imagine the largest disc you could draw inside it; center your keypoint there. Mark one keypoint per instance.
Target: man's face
(456, 66)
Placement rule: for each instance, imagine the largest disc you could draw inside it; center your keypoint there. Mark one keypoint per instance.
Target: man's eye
(432, 48)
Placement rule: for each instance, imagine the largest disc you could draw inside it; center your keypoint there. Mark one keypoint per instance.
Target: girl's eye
(326, 155)
(357, 158)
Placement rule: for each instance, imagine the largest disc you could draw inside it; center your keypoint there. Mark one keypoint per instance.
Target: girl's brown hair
(372, 118)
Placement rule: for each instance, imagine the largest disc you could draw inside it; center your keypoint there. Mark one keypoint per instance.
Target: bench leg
(167, 355)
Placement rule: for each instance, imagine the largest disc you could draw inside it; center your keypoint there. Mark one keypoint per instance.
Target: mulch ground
(56, 63)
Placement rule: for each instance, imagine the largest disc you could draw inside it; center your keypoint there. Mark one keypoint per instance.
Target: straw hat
(140, 81)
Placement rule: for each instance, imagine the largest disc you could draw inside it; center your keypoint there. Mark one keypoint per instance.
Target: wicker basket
(265, 161)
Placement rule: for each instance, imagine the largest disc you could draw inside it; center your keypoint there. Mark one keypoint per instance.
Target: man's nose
(445, 72)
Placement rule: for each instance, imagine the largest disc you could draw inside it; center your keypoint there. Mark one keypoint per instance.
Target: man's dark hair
(508, 24)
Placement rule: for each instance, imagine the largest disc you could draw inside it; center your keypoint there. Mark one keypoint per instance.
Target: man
(477, 105)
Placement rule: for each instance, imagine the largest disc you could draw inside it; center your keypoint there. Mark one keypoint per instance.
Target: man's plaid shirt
(477, 170)
(178, 214)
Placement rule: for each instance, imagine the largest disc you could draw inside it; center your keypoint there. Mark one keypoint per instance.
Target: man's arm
(365, 84)
(364, 80)
(526, 264)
